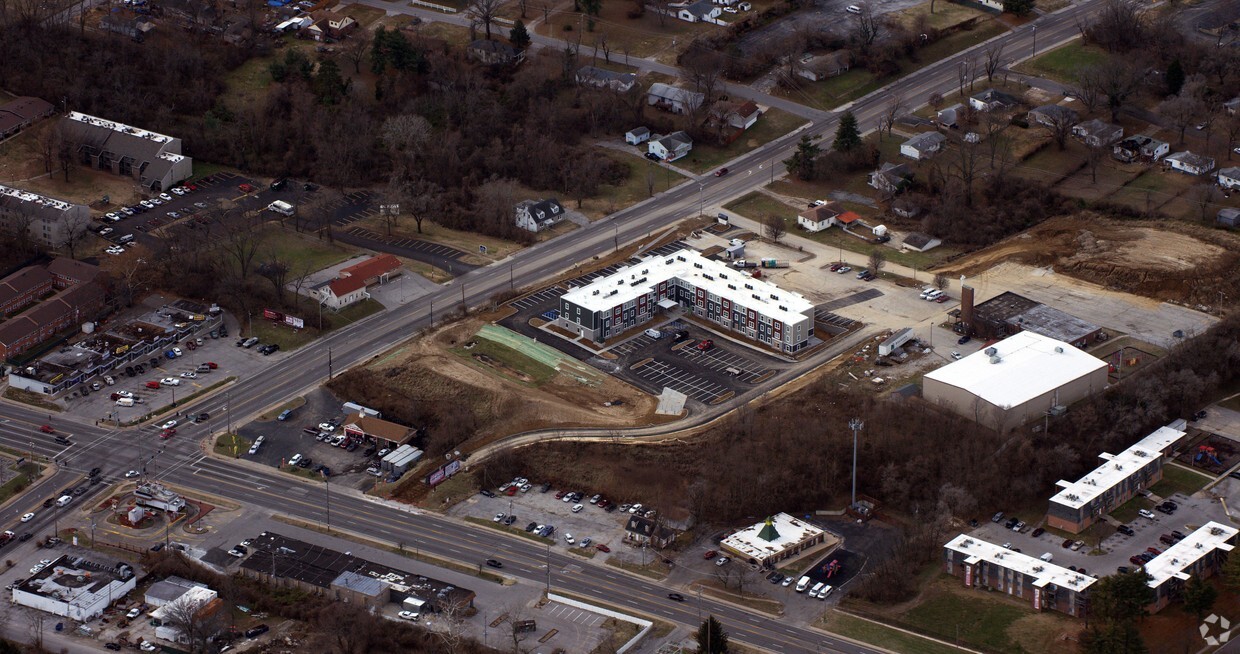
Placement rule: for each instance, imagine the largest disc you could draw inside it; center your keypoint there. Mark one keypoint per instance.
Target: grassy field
(882, 636)
(233, 445)
(1178, 479)
(1127, 512)
(291, 339)
(772, 125)
(301, 251)
(1062, 64)
(32, 399)
(972, 619)
(833, 92)
(28, 471)
(946, 15)
(655, 569)
(527, 370)
(644, 177)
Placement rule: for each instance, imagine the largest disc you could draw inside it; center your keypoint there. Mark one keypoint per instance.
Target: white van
(127, 238)
(826, 590)
(934, 295)
(654, 333)
(64, 500)
(1047, 557)
(802, 584)
(813, 592)
(124, 401)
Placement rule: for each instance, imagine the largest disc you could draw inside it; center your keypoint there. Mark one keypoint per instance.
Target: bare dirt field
(1177, 262)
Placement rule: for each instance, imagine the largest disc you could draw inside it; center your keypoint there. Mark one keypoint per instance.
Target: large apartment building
(1085, 501)
(153, 160)
(1044, 585)
(47, 221)
(631, 296)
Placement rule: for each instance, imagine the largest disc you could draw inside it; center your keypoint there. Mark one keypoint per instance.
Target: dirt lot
(1186, 263)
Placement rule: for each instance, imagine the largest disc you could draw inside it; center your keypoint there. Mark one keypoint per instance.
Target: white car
(28, 517)
(124, 394)
(1144, 513)
(577, 508)
(170, 381)
(111, 216)
(189, 375)
(131, 474)
(178, 190)
(327, 426)
(635, 508)
(146, 646)
(147, 204)
(177, 351)
(853, 9)
(169, 425)
(105, 231)
(165, 197)
(133, 613)
(826, 590)
(499, 517)
(568, 538)
(155, 202)
(37, 567)
(787, 582)
(408, 615)
(722, 561)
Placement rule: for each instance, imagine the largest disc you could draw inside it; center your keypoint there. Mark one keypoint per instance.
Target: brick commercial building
(1046, 586)
(1083, 502)
(153, 160)
(685, 280)
(1200, 553)
(1009, 313)
(22, 288)
(74, 303)
(47, 221)
(1015, 380)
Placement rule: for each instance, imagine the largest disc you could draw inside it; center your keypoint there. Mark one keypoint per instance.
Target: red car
(602, 548)
(246, 188)
(721, 172)
(836, 266)
(709, 554)
(152, 384)
(212, 365)
(167, 433)
(47, 429)
(706, 344)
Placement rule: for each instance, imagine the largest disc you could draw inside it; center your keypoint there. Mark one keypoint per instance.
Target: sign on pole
(482, 249)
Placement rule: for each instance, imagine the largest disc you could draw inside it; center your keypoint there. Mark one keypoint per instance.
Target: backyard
(1062, 64)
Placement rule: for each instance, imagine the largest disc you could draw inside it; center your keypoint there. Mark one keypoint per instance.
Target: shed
(1229, 216)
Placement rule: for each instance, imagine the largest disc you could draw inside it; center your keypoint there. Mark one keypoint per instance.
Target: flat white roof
(717, 278)
(118, 127)
(35, 198)
(1024, 366)
(792, 532)
(1117, 468)
(1171, 563)
(1043, 573)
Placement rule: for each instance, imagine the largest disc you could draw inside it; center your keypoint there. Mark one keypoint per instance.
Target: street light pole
(1035, 40)
(855, 425)
(701, 199)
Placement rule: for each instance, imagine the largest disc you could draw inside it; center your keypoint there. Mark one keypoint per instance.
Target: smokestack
(966, 308)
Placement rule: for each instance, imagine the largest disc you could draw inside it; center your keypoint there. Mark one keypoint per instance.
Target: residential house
(1097, 134)
(744, 116)
(1229, 178)
(1051, 115)
(923, 146)
(1139, 147)
(919, 242)
(1189, 163)
(47, 221)
(950, 117)
(891, 178)
(824, 66)
(126, 23)
(819, 218)
(637, 135)
(673, 99)
(671, 147)
(990, 100)
(905, 208)
(495, 53)
(997, 5)
(646, 532)
(699, 11)
(20, 113)
(331, 25)
(539, 215)
(601, 78)
(23, 288)
(153, 160)
(1229, 216)
(340, 293)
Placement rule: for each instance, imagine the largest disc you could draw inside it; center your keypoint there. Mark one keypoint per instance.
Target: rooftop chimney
(966, 308)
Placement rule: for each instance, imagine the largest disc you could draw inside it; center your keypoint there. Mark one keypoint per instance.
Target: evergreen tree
(711, 638)
(519, 36)
(329, 85)
(847, 135)
(1018, 7)
(1199, 597)
(1121, 598)
(1175, 77)
(802, 161)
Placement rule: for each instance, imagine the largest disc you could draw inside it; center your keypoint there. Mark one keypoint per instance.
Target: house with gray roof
(671, 147)
(1229, 178)
(539, 215)
(698, 11)
(891, 178)
(1189, 163)
(990, 100)
(673, 98)
(923, 146)
(601, 78)
(1097, 134)
(1050, 115)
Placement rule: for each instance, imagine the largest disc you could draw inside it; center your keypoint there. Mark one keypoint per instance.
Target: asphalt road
(180, 460)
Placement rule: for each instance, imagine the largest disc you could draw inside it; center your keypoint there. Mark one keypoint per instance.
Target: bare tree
(1231, 125)
(1094, 154)
(963, 71)
(452, 631)
(75, 231)
(1118, 26)
(993, 125)
(404, 135)
(241, 242)
(877, 259)
(774, 227)
(1117, 78)
(994, 61)
(935, 100)
(357, 47)
(890, 112)
(424, 200)
(1181, 110)
(705, 69)
(300, 278)
(867, 26)
(1059, 125)
(195, 619)
(940, 280)
(1088, 88)
(485, 12)
(965, 166)
(1203, 196)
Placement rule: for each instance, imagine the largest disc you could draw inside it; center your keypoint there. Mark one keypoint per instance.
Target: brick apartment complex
(77, 299)
(986, 566)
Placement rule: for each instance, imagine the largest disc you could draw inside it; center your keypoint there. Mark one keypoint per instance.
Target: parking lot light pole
(855, 425)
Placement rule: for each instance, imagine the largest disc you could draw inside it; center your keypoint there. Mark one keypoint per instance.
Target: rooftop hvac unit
(995, 359)
(1058, 349)
(990, 351)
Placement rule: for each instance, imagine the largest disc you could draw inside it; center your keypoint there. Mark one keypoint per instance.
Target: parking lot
(179, 208)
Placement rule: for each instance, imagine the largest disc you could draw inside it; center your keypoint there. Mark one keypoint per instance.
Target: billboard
(295, 323)
(443, 472)
(272, 315)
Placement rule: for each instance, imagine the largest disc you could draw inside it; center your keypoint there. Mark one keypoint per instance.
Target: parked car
(1148, 515)
(1038, 532)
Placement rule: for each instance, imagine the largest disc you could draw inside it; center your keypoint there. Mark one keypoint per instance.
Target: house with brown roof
(375, 270)
(68, 272)
(20, 113)
(647, 532)
(744, 116)
(384, 433)
(819, 67)
(495, 53)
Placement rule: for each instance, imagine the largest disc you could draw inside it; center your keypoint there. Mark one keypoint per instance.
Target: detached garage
(1015, 380)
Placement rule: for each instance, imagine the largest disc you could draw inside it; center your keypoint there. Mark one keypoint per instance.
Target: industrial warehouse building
(75, 588)
(1201, 553)
(1046, 586)
(1009, 313)
(729, 298)
(1083, 502)
(1015, 380)
(775, 539)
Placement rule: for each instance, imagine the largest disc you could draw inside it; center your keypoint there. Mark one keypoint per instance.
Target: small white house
(637, 135)
(671, 147)
(699, 11)
(1229, 178)
(539, 215)
(1189, 163)
(818, 218)
(744, 116)
(919, 242)
(923, 146)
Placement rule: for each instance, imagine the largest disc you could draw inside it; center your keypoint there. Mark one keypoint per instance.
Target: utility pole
(328, 485)
(855, 425)
(228, 409)
(329, 363)
(548, 569)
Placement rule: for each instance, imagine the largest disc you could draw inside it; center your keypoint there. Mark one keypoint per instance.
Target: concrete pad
(671, 403)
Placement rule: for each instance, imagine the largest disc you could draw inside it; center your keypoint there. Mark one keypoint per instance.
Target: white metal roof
(633, 281)
(1117, 468)
(35, 198)
(1043, 573)
(792, 532)
(118, 127)
(1024, 366)
(1171, 563)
